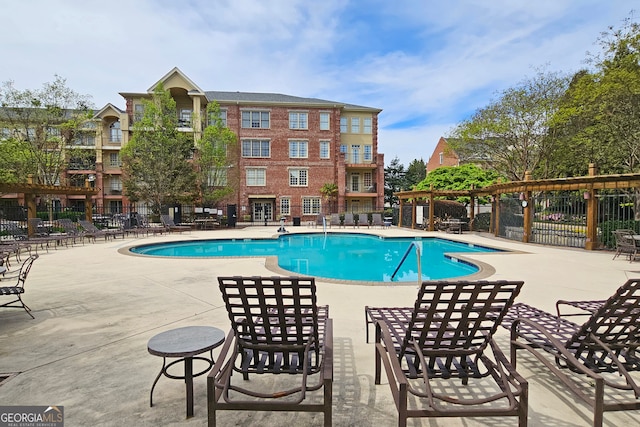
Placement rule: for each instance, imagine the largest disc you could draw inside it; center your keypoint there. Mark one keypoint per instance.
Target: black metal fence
(560, 218)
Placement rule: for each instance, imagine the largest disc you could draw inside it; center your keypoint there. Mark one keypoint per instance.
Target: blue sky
(428, 65)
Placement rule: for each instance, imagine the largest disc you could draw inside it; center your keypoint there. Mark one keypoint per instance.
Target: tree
(600, 113)
(39, 127)
(511, 134)
(156, 161)
(329, 192)
(416, 172)
(394, 181)
(463, 177)
(213, 163)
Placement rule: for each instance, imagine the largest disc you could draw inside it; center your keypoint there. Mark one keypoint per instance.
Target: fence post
(591, 242)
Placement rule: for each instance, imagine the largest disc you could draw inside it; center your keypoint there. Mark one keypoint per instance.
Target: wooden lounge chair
(595, 359)
(276, 328)
(434, 352)
(12, 285)
(170, 225)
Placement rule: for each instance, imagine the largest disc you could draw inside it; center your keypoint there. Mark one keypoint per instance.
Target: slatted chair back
(453, 319)
(274, 317)
(614, 324)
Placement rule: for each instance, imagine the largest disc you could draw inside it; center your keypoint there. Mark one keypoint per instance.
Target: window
(298, 177)
(138, 112)
(115, 184)
(355, 182)
(84, 139)
(223, 117)
(343, 148)
(441, 155)
(115, 133)
(311, 206)
(298, 149)
(367, 180)
(256, 148)
(367, 153)
(355, 124)
(298, 120)
(217, 177)
(256, 177)
(366, 125)
(343, 124)
(285, 206)
(255, 119)
(325, 149)
(114, 160)
(324, 121)
(355, 154)
(184, 120)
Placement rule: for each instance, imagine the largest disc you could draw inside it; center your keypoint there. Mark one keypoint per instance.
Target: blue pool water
(359, 257)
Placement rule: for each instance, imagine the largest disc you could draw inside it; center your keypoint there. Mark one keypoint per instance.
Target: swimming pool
(340, 256)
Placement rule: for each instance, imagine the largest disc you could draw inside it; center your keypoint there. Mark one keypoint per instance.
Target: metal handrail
(404, 257)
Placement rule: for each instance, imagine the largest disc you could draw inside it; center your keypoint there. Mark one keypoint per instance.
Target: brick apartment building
(288, 148)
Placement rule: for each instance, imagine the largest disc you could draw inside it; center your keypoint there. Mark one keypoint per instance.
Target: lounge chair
(170, 225)
(625, 244)
(320, 221)
(593, 359)
(16, 289)
(20, 237)
(434, 352)
(349, 220)
(334, 221)
(276, 328)
(71, 230)
(376, 220)
(92, 231)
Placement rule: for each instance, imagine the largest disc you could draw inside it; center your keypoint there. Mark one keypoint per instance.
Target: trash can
(296, 221)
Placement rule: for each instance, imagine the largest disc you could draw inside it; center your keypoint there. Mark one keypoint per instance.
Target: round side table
(185, 344)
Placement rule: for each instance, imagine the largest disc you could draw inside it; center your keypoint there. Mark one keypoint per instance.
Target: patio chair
(277, 328)
(426, 349)
(594, 359)
(16, 290)
(349, 220)
(20, 237)
(320, 221)
(170, 225)
(334, 220)
(625, 244)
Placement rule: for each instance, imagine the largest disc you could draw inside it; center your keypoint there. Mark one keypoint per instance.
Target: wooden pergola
(31, 191)
(589, 184)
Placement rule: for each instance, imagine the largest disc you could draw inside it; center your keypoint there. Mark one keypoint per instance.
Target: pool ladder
(404, 257)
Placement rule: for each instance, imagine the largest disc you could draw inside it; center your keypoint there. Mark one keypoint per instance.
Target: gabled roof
(107, 108)
(176, 72)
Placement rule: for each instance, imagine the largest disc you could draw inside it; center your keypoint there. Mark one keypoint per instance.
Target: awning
(262, 196)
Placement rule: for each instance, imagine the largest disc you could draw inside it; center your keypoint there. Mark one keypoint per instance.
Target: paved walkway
(95, 309)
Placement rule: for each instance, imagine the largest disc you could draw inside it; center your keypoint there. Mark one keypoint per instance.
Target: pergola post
(592, 213)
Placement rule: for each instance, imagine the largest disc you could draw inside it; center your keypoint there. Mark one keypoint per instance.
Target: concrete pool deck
(95, 310)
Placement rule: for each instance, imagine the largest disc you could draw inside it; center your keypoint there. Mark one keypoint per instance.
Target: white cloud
(426, 66)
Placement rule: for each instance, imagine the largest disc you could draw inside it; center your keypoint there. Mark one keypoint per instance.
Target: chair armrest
(555, 343)
(328, 350)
